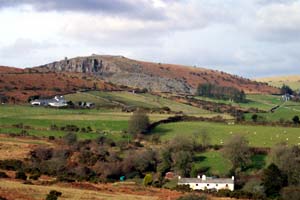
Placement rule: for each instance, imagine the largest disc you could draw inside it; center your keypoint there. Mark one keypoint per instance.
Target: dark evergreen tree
(273, 180)
(285, 89)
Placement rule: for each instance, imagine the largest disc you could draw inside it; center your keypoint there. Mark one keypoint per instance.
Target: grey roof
(208, 180)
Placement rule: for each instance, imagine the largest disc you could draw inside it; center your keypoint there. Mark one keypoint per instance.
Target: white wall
(203, 186)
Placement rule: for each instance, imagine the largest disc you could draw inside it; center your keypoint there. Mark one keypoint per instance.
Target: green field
(262, 102)
(286, 111)
(258, 136)
(135, 100)
(40, 119)
(217, 164)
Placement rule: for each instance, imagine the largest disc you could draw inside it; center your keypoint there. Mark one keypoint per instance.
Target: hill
(153, 76)
(277, 81)
(17, 85)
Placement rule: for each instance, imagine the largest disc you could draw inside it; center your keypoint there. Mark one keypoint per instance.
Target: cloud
(144, 9)
(279, 22)
(249, 38)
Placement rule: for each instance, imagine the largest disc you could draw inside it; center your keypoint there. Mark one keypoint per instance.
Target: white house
(207, 183)
(57, 101)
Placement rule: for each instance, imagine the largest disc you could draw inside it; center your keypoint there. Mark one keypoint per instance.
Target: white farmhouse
(207, 183)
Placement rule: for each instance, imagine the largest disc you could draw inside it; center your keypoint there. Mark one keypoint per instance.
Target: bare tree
(238, 152)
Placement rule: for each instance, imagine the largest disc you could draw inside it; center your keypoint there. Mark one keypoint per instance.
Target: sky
(251, 38)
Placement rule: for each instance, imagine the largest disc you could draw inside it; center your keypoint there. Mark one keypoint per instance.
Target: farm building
(57, 101)
(207, 183)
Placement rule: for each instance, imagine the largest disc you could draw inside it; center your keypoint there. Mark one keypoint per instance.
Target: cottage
(57, 101)
(207, 183)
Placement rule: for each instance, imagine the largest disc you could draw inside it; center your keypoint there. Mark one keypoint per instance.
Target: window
(197, 184)
(216, 185)
(207, 184)
(226, 185)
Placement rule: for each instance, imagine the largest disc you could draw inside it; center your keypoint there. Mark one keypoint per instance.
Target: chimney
(179, 177)
(232, 178)
(198, 176)
(203, 178)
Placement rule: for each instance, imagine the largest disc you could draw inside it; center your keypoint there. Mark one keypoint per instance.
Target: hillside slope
(17, 85)
(153, 76)
(292, 80)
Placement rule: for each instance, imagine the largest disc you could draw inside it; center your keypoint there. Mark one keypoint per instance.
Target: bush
(147, 180)
(138, 123)
(70, 128)
(35, 176)
(51, 137)
(3, 175)
(21, 175)
(11, 164)
(183, 188)
(53, 195)
(2, 198)
(70, 138)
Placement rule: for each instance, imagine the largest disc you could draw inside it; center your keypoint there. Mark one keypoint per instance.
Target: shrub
(138, 123)
(53, 195)
(11, 164)
(2, 198)
(21, 175)
(51, 137)
(147, 180)
(70, 128)
(183, 188)
(70, 138)
(3, 175)
(35, 176)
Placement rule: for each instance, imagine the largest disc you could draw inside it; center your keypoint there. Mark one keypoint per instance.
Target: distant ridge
(153, 76)
(291, 80)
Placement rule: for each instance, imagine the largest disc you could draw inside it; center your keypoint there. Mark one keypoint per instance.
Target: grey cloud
(128, 8)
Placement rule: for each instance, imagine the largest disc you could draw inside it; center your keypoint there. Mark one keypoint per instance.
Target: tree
(288, 161)
(183, 162)
(254, 117)
(205, 138)
(138, 122)
(238, 152)
(181, 142)
(285, 89)
(273, 180)
(165, 162)
(296, 120)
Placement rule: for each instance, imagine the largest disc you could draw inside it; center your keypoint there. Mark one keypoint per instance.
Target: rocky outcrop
(153, 76)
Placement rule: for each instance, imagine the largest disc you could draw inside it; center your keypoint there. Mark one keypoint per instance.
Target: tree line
(220, 92)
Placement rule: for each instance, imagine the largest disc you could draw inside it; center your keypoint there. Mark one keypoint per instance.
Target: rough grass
(293, 81)
(15, 190)
(258, 136)
(18, 148)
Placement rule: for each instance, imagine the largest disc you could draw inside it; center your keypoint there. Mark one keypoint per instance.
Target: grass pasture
(258, 136)
(217, 164)
(135, 100)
